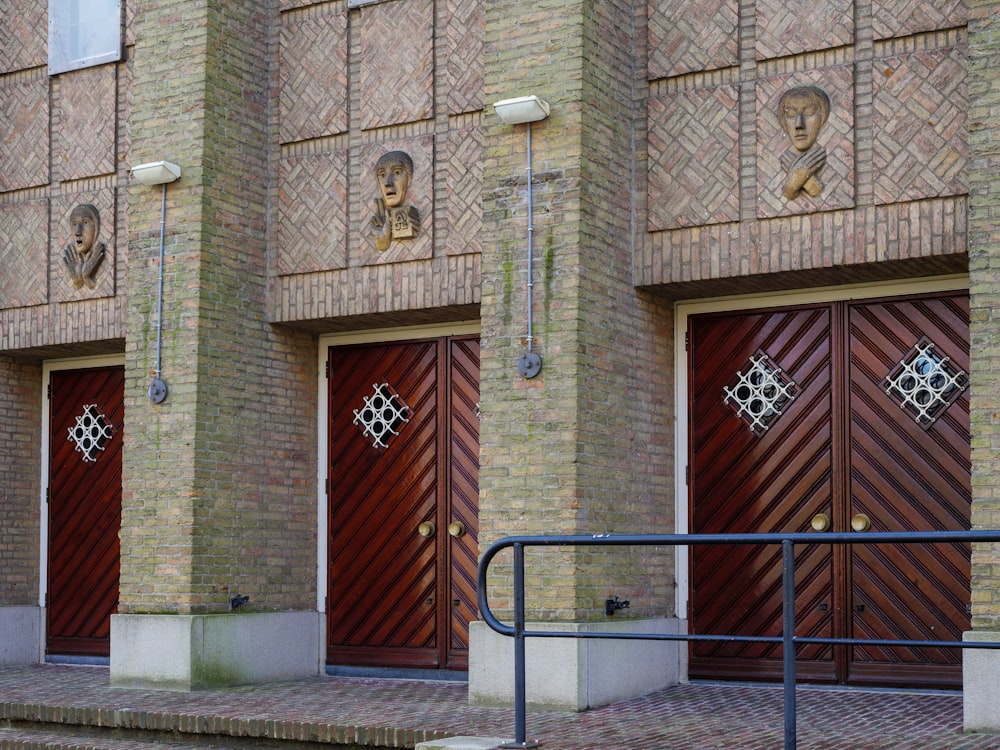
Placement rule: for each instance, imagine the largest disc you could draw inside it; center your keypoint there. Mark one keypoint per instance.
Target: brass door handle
(820, 522)
(456, 529)
(861, 522)
(427, 528)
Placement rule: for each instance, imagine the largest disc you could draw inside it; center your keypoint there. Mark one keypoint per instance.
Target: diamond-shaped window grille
(925, 383)
(760, 394)
(91, 432)
(382, 415)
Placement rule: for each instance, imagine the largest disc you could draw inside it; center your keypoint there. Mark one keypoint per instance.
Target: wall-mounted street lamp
(158, 173)
(524, 110)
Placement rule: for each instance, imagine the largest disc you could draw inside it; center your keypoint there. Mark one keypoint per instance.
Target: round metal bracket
(529, 365)
(157, 391)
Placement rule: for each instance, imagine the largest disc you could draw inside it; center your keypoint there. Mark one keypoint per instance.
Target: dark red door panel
(404, 491)
(908, 474)
(775, 481)
(463, 516)
(383, 574)
(86, 418)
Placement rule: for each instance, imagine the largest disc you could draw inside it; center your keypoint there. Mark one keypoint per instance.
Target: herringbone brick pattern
(129, 24)
(837, 136)
(788, 27)
(463, 169)
(901, 17)
(83, 123)
(463, 63)
(399, 713)
(920, 125)
(23, 35)
(693, 158)
(690, 35)
(24, 253)
(313, 75)
(396, 62)
(312, 212)
(24, 126)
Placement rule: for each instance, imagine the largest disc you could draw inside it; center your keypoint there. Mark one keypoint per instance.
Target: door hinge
(687, 474)
(328, 370)
(687, 340)
(47, 495)
(48, 391)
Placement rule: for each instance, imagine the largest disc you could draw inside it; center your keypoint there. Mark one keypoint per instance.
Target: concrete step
(461, 743)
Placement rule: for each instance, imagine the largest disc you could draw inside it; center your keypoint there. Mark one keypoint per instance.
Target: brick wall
(276, 112)
(341, 103)
(219, 479)
(61, 147)
(895, 184)
(20, 483)
(984, 271)
(581, 448)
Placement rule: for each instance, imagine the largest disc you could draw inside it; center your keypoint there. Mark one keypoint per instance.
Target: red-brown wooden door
(841, 446)
(404, 507)
(86, 409)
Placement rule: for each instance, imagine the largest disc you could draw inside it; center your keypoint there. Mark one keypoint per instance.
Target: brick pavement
(399, 713)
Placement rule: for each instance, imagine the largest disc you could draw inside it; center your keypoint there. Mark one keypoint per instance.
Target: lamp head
(156, 172)
(522, 109)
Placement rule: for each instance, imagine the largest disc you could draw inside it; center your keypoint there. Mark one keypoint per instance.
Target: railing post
(788, 617)
(520, 678)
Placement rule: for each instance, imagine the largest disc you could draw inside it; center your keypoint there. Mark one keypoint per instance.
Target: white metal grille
(382, 415)
(760, 394)
(925, 383)
(90, 433)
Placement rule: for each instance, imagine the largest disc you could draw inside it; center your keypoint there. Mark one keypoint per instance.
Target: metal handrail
(788, 637)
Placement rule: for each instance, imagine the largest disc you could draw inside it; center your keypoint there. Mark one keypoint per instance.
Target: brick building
(258, 436)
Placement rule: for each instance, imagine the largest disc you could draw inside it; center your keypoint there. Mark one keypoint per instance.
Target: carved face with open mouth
(85, 224)
(393, 172)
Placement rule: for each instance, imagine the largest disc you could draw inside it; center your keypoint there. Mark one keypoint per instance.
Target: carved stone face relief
(393, 217)
(83, 254)
(803, 112)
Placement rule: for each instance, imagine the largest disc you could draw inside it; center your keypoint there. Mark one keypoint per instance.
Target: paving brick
(70, 702)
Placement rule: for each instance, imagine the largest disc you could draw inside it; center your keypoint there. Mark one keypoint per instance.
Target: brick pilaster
(20, 472)
(219, 493)
(583, 447)
(984, 284)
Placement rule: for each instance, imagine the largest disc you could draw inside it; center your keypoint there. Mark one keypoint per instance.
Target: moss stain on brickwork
(507, 268)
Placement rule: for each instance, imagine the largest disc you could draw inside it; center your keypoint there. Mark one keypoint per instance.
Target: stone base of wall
(20, 635)
(575, 673)
(981, 683)
(192, 652)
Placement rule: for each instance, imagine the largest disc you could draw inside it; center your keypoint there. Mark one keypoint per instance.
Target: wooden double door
(403, 499)
(845, 416)
(86, 412)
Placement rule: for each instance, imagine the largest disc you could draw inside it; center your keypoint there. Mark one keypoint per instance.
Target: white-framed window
(84, 33)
